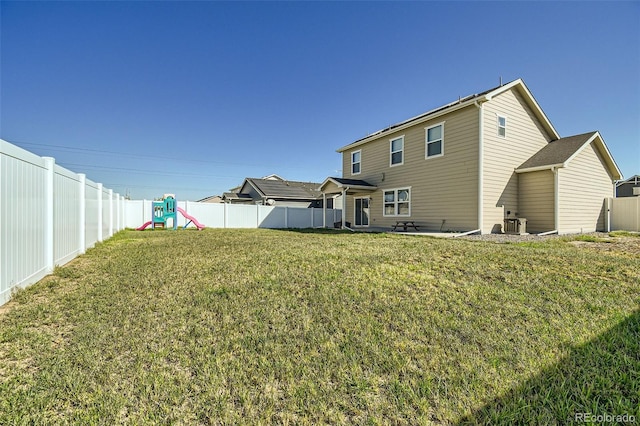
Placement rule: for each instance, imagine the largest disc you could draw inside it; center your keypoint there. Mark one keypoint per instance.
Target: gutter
(538, 168)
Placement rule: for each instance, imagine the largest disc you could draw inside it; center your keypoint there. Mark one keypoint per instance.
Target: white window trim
(498, 117)
(391, 151)
(352, 163)
(426, 141)
(395, 203)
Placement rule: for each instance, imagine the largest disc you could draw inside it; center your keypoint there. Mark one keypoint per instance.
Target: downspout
(556, 200)
(609, 205)
(480, 165)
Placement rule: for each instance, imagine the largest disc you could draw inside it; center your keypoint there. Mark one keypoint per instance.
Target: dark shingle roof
(235, 196)
(354, 182)
(286, 188)
(557, 152)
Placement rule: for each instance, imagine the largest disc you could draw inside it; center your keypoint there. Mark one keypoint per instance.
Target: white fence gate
(48, 216)
(625, 214)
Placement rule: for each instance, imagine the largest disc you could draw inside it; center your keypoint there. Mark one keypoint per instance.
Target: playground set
(162, 211)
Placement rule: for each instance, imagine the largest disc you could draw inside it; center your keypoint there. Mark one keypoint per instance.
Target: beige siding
(502, 155)
(536, 200)
(582, 186)
(442, 188)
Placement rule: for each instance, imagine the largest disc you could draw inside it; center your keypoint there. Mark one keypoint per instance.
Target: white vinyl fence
(48, 216)
(625, 214)
(137, 212)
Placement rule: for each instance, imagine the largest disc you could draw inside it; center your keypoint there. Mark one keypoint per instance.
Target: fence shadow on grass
(600, 377)
(317, 230)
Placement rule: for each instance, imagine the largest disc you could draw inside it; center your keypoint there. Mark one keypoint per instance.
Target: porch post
(344, 207)
(324, 210)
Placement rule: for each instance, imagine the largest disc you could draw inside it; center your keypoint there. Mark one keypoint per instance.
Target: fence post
(312, 211)
(110, 213)
(82, 226)
(100, 237)
(224, 216)
(286, 216)
(50, 163)
(258, 216)
(637, 214)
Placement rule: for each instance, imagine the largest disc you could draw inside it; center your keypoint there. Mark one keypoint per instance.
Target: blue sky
(191, 97)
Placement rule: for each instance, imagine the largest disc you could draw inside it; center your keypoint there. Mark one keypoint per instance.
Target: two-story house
(471, 164)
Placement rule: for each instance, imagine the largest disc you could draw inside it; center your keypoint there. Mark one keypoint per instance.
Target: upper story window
(434, 141)
(355, 162)
(502, 126)
(397, 202)
(397, 151)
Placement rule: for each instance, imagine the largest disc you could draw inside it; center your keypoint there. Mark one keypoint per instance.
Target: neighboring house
(473, 163)
(279, 192)
(629, 187)
(211, 199)
(235, 189)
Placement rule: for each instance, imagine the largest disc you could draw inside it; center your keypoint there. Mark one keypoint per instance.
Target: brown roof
(557, 152)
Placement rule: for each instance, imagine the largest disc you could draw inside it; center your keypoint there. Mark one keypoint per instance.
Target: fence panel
(23, 218)
(240, 216)
(48, 215)
(299, 218)
(92, 213)
(209, 214)
(66, 215)
(134, 216)
(106, 213)
(272, 217)
(625, 214)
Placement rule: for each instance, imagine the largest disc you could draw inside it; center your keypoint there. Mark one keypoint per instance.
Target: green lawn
(264, 326)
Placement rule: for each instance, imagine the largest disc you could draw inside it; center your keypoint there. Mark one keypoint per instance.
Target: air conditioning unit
(636, 190)
(516, 226)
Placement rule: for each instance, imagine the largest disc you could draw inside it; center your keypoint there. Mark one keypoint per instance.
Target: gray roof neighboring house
(634, 180)
(235, 196)
(211, 199)
(285, 189)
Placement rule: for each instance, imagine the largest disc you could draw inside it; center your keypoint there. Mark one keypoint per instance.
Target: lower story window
(397, 202)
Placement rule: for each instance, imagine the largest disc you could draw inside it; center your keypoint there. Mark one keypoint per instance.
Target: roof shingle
(556, 152)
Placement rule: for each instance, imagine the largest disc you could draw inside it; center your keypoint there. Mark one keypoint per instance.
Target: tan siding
(582, 186)
(524, 137)
(536, 200)
(442, 188)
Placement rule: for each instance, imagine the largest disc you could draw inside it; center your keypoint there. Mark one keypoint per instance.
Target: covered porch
(343, 187)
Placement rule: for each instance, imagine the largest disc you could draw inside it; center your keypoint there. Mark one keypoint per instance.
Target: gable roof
(485, 96)
(347, 183)
(560, 152)
(635, 179)
(235, 196)
(273, 188)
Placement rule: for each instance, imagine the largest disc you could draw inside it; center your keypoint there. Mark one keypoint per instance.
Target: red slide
(143, 226)
(191, 218)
